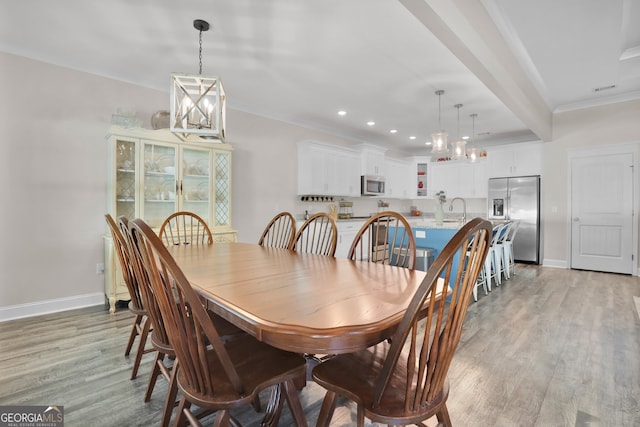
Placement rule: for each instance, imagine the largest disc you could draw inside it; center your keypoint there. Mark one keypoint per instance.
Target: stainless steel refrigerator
(518, 198)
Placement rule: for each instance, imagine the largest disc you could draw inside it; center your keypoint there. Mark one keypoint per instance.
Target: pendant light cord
(473, 124)
(458, 107)
(439, 122)
(200, 53)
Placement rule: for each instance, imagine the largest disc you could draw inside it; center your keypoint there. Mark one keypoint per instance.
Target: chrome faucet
(464, 208)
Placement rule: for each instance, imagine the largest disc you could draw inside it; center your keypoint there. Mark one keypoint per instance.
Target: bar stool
(425, 257)
(502, 269)
(508, 256)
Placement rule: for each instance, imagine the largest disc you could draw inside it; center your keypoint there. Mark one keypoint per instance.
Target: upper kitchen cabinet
(515, 160)
(419, 183)
(398, 179)
(327, 170)
(372, 160)
(459, 179)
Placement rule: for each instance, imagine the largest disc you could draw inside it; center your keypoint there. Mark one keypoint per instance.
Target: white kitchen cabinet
(481, 180)
(459, 179)
(445, 176)
(399, 183)
(372, 160)
(327, 170)
(152, 174)
(515, 160)
(347, 231)
(343, 179)
(420, 185)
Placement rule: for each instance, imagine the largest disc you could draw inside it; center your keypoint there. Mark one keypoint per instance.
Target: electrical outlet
(99, 268)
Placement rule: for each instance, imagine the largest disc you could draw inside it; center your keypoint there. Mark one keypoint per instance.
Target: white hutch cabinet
(152, 174)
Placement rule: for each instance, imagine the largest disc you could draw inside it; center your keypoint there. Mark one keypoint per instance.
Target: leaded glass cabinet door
(159, 183)
(196, 181)
(125, 178)
(222, 214)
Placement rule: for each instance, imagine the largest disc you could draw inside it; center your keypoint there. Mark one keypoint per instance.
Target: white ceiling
(513, 62)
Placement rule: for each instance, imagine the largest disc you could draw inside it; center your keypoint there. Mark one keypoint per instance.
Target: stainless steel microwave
(372, 185)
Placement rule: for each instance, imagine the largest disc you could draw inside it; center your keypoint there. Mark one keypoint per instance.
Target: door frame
(625, 148)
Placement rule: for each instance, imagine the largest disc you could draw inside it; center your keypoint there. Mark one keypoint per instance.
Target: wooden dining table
(304, 303)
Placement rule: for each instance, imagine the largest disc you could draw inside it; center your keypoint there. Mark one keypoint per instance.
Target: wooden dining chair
(386, 238)
(185, 228)
(318, 235)
(159, 338)
(280, 232)
(141, 323)
(214, 374)
(405, 381)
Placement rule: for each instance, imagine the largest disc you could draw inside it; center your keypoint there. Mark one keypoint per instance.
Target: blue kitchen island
(430, 240)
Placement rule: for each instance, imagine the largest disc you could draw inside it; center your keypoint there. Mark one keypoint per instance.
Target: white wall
(605, 125)
(53, 169)
(53, 177)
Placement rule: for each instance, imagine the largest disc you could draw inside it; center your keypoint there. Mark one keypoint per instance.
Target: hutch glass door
(125, 178)
(159, 183)
(223, 190)
(196, 181)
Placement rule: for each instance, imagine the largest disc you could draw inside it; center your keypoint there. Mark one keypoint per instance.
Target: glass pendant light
(197, 101)
(473, 153)
(458, 148)
(439, 138)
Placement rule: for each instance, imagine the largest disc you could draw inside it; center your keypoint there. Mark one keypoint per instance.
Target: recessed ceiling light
(465, 137)
(393, 131)
(412, 137)
(427, 143)
(371, 123)
(342, 113)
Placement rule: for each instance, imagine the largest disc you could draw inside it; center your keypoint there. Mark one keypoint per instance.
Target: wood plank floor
(551, 347)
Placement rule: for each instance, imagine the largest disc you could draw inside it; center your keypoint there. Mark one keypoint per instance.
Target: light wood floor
(551, 347)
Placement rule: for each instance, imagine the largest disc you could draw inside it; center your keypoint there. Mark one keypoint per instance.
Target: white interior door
(602, 213)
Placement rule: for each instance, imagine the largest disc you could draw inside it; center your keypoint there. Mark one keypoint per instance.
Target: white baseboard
(50, 306)
(556, 263)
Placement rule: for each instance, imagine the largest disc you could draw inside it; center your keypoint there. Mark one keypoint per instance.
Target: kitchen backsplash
(365, 206)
